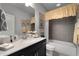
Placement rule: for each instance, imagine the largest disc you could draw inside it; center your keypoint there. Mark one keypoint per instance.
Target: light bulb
(28, 4)
(58, 4)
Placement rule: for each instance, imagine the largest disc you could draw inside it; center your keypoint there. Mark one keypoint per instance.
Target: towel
(76, 34)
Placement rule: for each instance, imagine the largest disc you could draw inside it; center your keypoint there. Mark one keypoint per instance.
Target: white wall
(47, 30)
(19, 15)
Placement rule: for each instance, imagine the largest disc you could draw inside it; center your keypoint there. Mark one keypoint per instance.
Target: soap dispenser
(11, 39)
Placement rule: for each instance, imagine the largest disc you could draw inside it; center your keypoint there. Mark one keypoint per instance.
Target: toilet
(50, 50)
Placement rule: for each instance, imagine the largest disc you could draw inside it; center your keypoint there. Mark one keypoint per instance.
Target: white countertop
(20, 44)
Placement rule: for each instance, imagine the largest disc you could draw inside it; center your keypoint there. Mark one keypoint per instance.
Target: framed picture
(3, 23)
(7, 23)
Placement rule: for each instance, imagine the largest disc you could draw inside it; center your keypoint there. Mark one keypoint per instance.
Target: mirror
(33, 24)
(26, 25)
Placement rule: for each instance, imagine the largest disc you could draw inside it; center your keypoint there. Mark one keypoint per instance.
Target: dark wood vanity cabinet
(37, 49)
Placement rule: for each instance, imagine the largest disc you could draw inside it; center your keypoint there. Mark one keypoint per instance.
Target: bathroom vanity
(27, 47)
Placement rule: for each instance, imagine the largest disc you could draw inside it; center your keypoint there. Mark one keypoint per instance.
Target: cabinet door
(42, 51)
(38, 49)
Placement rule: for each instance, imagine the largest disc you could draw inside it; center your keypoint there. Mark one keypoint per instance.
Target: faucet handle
(14, 37)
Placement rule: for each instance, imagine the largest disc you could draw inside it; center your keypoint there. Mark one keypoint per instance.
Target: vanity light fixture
(58, 4)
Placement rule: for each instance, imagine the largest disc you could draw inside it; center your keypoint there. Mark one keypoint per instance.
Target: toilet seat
(50, 50)
(49, 47)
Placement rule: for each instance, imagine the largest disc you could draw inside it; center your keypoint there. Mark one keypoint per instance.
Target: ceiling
(21, 6)
(29, 10)
(51, 6)
(25, 9)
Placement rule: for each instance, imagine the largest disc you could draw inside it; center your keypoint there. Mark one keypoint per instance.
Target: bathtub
(63, 48)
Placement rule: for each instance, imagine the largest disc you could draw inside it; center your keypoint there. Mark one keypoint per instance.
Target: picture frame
(10, 23)
(3, 23)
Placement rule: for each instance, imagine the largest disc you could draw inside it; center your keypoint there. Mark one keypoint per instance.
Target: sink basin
(6, 46)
